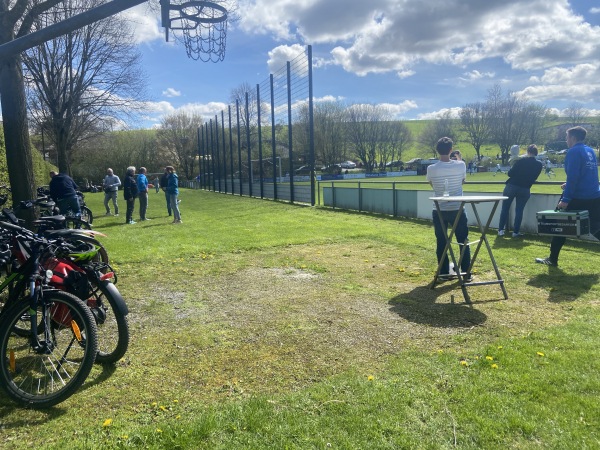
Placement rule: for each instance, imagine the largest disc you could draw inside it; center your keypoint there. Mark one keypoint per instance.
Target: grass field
(263, 325)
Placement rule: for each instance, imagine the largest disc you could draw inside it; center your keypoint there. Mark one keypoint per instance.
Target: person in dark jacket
(130, 192)
(521, 177)
(164, 180)
(63, 191)
(173, 192)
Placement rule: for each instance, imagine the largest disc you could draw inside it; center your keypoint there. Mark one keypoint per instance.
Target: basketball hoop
(203, 27)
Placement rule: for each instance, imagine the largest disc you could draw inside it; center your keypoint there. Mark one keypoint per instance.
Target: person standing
(580, 191)
(142, 186)
(173, 192)
(156, 183)
(110, 185)
(63, 191)
(448, 176)
(130, 193)
(521, 177)
(164, 179)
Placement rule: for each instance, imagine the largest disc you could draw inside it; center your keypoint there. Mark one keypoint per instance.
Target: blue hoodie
(582, 174)
(172, 183)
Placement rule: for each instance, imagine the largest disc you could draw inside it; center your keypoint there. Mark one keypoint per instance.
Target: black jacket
(524, 172)
(62, 186)
(130, 189)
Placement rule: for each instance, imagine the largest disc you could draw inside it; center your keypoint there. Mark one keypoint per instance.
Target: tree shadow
(562, 286)
(421, 306)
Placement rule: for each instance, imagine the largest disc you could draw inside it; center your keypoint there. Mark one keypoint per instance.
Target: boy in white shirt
(448, 175)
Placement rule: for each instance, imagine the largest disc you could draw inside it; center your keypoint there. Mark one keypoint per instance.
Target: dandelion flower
(500, 347)
(494, 366)
(540, 354)
(153, 404)
(175, 401)
(370, 378)
(107, 423)
(163, 408)
(464, 363)
(158, 430)
(489, 358)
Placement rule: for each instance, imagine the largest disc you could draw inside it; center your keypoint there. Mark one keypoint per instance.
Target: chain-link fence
(263, 144)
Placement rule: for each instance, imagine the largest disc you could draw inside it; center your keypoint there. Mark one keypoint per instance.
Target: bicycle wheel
(86, 214)
(110, 311)
(45, 376)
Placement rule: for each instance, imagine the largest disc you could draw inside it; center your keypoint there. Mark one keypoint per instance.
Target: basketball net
(203, 27)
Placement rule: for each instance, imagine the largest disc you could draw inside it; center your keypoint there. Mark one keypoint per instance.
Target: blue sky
(420, 58)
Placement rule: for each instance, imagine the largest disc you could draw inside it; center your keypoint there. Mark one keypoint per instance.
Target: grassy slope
(264, 325)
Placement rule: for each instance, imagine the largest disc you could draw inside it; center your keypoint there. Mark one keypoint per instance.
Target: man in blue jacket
(581, 190)
(142, 186)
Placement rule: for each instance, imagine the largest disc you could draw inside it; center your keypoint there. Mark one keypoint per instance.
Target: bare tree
(179, 137)
(443, 126)
(576, 114)
(476, 124)
(330, 143)
(396, 137)
(82, 79)
(364, 131)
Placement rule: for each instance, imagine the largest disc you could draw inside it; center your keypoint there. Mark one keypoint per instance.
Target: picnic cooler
(563, 223)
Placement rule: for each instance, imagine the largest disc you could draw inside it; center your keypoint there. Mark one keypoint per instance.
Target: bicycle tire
(45, 378)
(111, 322)
(87, 215)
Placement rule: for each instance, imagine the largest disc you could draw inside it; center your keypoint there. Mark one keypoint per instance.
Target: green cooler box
(563, 223)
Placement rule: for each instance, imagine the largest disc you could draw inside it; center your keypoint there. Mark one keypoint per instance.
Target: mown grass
(258, 324)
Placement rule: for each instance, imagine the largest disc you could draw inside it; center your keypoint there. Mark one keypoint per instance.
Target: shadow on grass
(93, 379)
(562, 286)
(420, 306)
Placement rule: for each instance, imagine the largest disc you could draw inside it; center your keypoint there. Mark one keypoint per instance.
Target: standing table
(473, 200)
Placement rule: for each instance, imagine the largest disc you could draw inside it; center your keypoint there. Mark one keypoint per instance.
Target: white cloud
(279, 56)
(398, 109)
(454, 114)
(578, 83)
(145, 22)
(171, 92)
(594, 10)
(476, 75)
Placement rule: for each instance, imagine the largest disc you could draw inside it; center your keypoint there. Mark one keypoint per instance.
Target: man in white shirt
(446, 177)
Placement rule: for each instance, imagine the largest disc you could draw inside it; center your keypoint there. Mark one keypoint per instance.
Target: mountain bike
(48, 338)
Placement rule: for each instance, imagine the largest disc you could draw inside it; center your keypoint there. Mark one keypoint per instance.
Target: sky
(418, 57)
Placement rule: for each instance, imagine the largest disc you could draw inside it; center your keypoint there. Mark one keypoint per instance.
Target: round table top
(470, 198)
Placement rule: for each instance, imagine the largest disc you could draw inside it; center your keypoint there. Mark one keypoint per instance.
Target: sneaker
(108, 214)
(517, 235)
(443, 277)
(131, 222)
(178, 202)
(546, 261)
(500, 232)
(177, 221)
(117, 215)
(467, 277)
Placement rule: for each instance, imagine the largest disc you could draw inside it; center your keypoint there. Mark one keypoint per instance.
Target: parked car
(302, 170)
(348, 165)
(397, 163)
(335, 169)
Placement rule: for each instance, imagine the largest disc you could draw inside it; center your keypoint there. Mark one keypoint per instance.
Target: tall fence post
(260, 154)
(212, 157)
(248, 144)
(311, 132)
(224, 151)
(273, 142)
(218, 158)
(231, 151)
(290, 133)
(239, 142)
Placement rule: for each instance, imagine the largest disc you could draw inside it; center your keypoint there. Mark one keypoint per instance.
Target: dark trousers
(461, 234)
(167, 197)
(130, 207)
(143, 196)
(593, 207)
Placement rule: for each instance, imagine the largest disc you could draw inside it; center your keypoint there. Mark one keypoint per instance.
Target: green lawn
(258, 324)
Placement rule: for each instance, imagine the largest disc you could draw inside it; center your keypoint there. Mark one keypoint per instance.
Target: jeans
(130, 207)
(143, 196)
(111, 195)
(461, 233)
(593, 207)
(69, 204)
(521, 194)
(174, 207)
(168, 202)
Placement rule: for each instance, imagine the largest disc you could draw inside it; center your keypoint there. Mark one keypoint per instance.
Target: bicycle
(77, 270)
(48, 338)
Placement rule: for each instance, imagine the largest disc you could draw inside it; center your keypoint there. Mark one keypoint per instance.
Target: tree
(16, 19)
(330, 143)
(476, 124)
(576, 114)
(364, 131)
(395, 138)
(83, 81)
(443, 126)
(178, 134)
